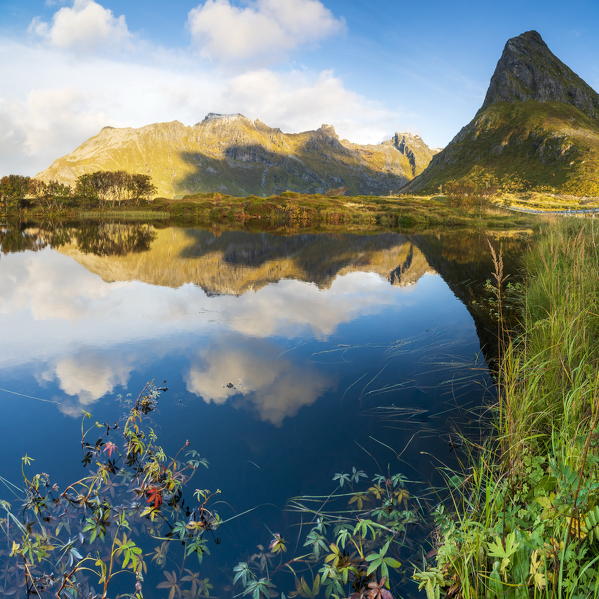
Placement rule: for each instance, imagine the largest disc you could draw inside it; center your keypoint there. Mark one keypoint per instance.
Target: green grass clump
(524, 519)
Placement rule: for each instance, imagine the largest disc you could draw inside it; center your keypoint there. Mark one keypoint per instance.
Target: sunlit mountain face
(283, 355)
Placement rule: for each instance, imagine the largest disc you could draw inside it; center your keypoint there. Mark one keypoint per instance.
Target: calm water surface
(280, 353)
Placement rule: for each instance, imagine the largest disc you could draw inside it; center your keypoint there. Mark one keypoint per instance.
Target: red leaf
(109, 448)
(154, 497)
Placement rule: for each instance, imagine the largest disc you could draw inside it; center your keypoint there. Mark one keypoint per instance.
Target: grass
(128, 214)
(298, 211)
(524, 519)
(547, 202)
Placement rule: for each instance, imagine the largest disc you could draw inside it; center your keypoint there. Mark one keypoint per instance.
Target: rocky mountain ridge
(235, 155)
(528, 70)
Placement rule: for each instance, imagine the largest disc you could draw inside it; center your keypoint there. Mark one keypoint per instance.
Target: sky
(368, 67)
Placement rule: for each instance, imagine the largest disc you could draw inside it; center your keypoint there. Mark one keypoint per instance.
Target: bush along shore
(523, 519)
(120, 196)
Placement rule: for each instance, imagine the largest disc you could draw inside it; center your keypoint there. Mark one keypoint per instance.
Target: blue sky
(367, 67)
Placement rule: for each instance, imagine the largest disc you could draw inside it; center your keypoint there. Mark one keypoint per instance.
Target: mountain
(538, 126)
(235, 155)
(414, 149)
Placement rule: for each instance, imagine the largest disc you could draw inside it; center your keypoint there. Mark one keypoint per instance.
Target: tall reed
(524, 522)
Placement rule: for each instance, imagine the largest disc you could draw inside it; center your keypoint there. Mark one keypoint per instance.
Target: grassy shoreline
(299, 211)
(546, 202)
(524, 517)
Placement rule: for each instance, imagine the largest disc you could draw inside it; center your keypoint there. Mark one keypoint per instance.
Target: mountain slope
(538, 125)
(234, 155)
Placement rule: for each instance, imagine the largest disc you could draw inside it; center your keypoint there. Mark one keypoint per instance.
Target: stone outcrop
(415, 150)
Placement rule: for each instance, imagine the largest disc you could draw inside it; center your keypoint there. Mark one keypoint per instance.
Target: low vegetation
(523, 520)
(118, 196)
(326, 211)
(478, 199)
(354, 539)
(102, 188)
(481, 187)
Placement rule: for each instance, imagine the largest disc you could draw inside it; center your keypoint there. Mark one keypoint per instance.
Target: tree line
(101, 187)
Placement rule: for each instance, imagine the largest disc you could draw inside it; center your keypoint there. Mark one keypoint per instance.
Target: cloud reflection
(86, 377)
(254, 368)
(87, 335)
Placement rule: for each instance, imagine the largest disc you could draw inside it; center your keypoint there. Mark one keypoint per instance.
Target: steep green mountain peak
(538, 129)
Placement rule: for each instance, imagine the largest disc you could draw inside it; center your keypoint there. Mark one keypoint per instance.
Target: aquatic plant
(352, 547)
(101, 533)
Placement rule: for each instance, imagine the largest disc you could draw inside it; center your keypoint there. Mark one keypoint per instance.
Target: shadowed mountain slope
(234, 155)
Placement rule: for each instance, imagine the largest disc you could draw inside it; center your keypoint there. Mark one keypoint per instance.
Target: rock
(528, 70)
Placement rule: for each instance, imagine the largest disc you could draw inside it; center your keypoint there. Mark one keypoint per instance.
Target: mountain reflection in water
(281, 352)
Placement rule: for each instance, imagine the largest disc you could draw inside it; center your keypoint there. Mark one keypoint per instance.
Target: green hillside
(532, 143)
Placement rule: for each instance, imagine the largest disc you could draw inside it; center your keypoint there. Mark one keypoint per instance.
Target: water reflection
(88, 323)
(86, 376)
(107, 287)
(283, 354)
(236, 262)
(254, 369)
(102, 239)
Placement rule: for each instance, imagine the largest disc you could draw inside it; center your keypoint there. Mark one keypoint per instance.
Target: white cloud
(79, 79)
(85, 25)
(300, 100)
(12, 138)
(51, 117)
(263, 30)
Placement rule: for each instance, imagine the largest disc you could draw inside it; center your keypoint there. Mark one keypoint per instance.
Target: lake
(288, 357)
